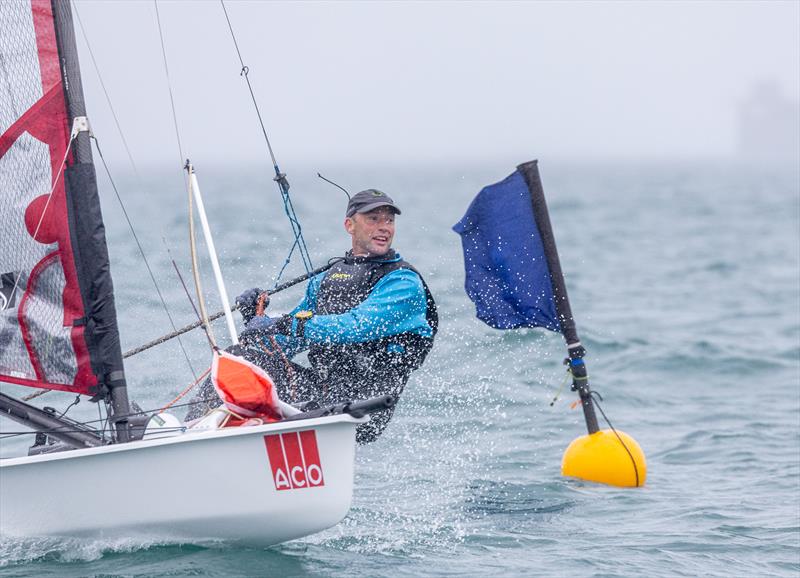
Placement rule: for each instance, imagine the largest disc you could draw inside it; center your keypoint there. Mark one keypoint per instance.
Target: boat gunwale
(186, 437)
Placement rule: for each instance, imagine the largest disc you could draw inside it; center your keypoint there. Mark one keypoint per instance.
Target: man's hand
(262, 326)
(262, 303)
(248, 303)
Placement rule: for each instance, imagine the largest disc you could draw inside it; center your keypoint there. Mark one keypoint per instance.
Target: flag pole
(604, 456)
(576, 351)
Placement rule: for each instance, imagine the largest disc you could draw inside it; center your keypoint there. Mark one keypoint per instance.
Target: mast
(81, 188)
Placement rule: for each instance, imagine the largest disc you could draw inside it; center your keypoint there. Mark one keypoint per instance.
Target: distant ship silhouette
(769, 124)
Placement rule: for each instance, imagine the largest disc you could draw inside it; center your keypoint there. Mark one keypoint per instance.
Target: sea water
(684, 279)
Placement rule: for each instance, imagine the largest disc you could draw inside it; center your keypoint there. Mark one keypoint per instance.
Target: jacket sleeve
(395, 305)
(291, 346)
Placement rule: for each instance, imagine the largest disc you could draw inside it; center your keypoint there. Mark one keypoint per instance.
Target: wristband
(299, 325)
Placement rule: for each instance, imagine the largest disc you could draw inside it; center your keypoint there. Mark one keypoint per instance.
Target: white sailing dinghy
(259, 484)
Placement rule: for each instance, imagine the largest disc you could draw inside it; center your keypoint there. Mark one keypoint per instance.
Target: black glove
(283, 325)
(247, 302)
(262, 326)
(259, 326)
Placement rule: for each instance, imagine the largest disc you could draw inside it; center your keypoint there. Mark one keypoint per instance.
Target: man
(367, 322)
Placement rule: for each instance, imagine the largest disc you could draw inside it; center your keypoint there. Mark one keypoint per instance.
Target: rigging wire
(70, 425)
(169, 82)
(138, 177)
(187, 182)
(105, 92)
(188, 295)
(280, 178)
(180, 278)
(10, 434)
(101, 420)
(245, 72)
(141, 252)
(104, 420)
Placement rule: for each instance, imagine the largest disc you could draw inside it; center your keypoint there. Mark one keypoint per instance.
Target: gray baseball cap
(365, 201)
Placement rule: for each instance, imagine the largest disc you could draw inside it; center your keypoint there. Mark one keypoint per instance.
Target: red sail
(46, 332)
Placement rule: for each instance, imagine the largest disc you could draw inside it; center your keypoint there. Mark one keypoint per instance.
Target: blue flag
(507, 274)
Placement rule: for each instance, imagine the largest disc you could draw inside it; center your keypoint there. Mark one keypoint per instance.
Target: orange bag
(244, 388)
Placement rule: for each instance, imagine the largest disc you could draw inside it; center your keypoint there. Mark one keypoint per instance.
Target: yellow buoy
(601, 457)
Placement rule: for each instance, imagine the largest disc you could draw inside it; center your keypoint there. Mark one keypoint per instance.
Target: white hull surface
(257, 485)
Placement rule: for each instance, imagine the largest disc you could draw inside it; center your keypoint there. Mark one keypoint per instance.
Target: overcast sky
(435, 81)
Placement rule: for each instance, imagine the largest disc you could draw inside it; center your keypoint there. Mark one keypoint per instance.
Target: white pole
(212, 252)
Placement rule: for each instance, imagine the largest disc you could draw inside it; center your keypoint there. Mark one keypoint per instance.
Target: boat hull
(256, 485)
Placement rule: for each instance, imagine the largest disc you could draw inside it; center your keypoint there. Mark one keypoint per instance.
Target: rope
(597, 398)
(299, 241)
(35, 394)
(561, 388)
(185, 391)
(286, 263)
(70, 406)
(290, 373)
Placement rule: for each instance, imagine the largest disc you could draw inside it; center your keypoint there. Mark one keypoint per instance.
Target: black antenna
(335, 185)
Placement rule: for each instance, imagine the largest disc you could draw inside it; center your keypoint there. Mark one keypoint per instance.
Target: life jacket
(368, 364)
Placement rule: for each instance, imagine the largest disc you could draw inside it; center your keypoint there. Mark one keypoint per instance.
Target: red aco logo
(294, 459)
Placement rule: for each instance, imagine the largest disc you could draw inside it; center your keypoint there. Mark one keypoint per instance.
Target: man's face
(372, 232)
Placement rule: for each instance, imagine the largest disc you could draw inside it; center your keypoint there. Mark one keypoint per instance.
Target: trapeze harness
(382, 366)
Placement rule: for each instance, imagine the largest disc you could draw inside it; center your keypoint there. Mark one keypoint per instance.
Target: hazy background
(412, 82)
(682, 266)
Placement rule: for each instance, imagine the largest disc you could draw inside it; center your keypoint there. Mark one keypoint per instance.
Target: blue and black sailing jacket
(366, 313)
